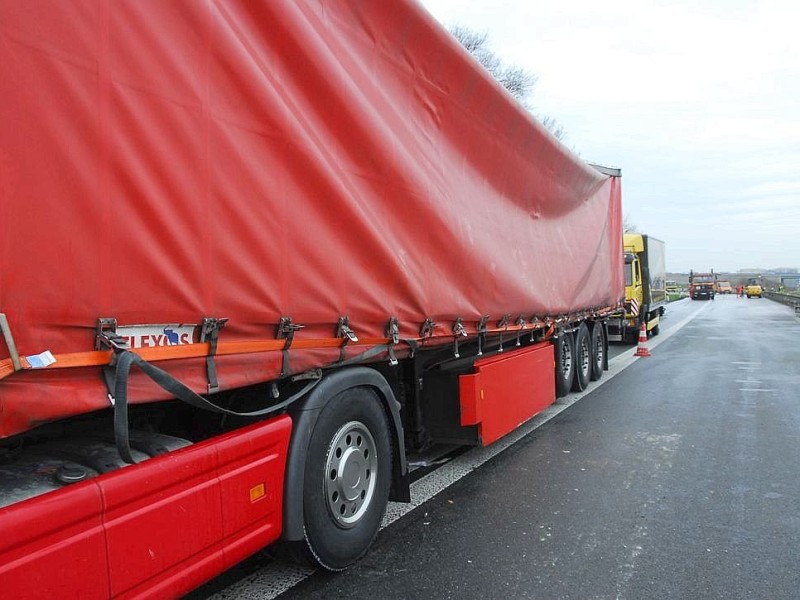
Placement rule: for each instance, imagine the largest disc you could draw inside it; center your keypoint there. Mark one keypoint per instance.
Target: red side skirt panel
(507, 389)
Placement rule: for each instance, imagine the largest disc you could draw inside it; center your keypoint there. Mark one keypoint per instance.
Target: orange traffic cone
(641, 349)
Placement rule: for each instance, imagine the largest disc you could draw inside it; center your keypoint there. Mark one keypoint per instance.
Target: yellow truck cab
(645, 287)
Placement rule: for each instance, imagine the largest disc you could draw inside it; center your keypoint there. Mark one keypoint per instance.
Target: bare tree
(627, 225)
(473, 41)
(517, 80)
(553, 127)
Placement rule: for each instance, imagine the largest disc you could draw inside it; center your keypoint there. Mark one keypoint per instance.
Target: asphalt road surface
(677, 477)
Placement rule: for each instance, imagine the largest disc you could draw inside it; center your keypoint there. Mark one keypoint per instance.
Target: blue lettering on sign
(172, 337)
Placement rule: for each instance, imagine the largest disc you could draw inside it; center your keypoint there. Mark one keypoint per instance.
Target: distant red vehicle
(702, 285)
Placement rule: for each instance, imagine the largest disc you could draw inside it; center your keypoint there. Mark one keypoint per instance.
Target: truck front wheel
(347, 479)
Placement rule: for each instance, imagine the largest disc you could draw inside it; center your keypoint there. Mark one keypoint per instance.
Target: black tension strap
(286, 331)
(209, 332)
(364, 356)
(122, 362)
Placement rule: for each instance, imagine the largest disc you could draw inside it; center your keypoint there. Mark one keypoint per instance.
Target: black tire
(655, 330)
(583, 359)
(598, 345)
(347, 479)
(565, 364)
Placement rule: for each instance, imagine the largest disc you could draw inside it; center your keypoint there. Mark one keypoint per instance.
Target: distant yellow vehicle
(753, 290)
(724, 287)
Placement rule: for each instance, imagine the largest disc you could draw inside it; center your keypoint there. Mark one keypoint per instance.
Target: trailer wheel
(598, 345)
(347, 479)
(565, 364)
(583, 359)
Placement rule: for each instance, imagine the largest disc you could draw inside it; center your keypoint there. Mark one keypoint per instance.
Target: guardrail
(788, 299)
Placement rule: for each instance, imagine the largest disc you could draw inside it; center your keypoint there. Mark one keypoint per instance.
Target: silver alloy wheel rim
(350, 473)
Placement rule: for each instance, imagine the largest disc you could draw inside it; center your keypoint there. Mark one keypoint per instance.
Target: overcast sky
(698, 102)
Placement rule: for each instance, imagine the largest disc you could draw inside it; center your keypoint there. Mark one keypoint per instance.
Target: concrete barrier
(788, 299)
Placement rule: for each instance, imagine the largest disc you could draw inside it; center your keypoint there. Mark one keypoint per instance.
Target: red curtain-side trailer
(253, 256)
